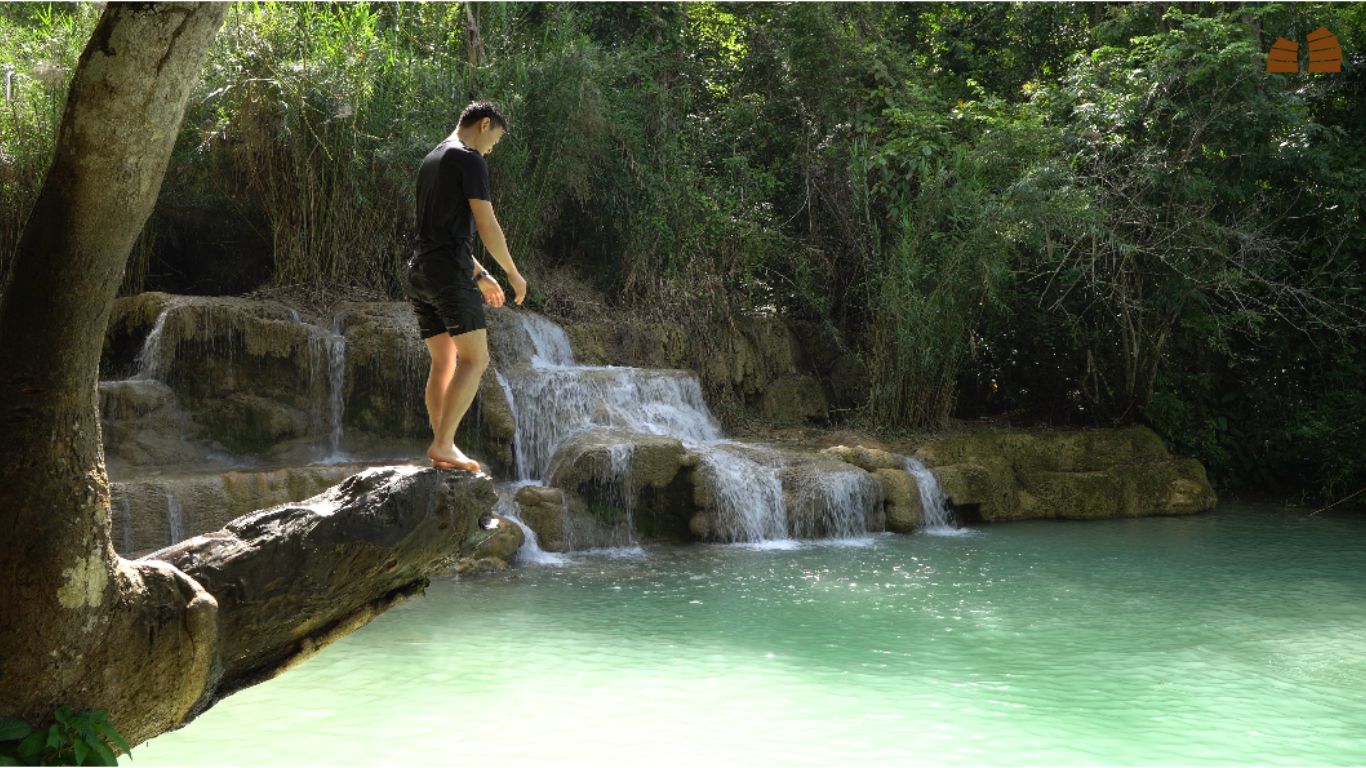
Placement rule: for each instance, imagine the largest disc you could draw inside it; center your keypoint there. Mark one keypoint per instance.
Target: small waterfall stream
(553, 399)
(933, 504)
(175, 522)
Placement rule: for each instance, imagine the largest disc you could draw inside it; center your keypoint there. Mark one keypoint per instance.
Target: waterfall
(844, 499)
(327, 354)
(173, 519)
(933, 503)
(336, 380)
(530, 551)
(749, 497)
(519, 452)
(553, 399)
(550, 405)
(549, 342)
(149, 357)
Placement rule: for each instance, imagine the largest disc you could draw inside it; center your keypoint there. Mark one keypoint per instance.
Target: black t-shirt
(450, 175)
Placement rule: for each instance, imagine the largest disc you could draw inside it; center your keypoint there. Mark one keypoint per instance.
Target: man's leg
(442, 350)
(472, 359)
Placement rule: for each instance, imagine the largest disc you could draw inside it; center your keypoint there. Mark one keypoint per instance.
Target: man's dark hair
(478, 110)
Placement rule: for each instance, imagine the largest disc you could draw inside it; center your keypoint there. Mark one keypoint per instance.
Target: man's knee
(472, 351)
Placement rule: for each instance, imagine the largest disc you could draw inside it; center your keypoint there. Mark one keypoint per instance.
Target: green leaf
(82, 750)
(13, 729)
(62, 715)
(31, 747)
(7, 760)
(55, 737)
(114, 737)
(104, 754)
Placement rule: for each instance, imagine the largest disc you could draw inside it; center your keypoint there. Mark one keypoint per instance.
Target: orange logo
(1325, 55)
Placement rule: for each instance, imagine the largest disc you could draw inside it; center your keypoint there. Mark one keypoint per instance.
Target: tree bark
(77, 623)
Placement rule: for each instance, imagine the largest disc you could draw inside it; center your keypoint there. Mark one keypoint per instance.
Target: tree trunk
(77, 623)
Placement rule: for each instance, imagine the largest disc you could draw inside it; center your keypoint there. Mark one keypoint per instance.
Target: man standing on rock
(447, 286)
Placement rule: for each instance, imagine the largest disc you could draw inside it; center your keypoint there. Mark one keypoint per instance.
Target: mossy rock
(901, 500)
(543, 512)
(1071, 495)
(985, 491)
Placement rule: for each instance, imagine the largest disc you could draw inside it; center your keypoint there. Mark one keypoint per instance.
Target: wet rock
(901, 500)
(502, 542)
(542, 510)
(480, 566)
(628, 481)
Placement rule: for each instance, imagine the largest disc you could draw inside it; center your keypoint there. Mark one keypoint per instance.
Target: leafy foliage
(75, 738)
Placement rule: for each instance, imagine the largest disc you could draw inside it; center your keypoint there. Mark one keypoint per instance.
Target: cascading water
(837, 505)
(530, 551)
(149, 357)
(749, 497)
(933, 503)
(553, 399)
(336, 375)
(174, 520)
(556, 403)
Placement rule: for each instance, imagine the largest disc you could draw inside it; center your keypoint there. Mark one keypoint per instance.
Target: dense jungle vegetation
(1065, 214)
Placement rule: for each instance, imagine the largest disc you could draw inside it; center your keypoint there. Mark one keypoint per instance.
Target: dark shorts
(443, 295)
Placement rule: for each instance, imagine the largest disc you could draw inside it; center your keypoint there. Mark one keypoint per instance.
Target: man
(447, 286)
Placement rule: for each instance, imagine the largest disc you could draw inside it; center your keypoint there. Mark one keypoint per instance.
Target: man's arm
(491, 234)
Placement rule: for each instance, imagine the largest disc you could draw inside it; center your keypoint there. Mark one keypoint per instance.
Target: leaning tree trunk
(78, 625)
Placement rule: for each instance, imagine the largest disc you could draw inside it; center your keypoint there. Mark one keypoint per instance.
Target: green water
(1237, 637)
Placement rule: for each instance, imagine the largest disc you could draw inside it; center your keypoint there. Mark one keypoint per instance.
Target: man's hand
(493, 292)
(518, 286)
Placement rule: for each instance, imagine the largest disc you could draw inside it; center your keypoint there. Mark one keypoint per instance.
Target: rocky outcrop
(1080, 474)
(291, 579)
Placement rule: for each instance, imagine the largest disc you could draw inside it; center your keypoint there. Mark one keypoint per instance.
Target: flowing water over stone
(553, 399)
(1149, 641)
(175, 521)
(934, 505)
(749, 495)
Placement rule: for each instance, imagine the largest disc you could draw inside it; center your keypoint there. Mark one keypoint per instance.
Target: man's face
(490, 134)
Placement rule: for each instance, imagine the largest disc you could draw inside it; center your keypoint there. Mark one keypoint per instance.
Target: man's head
(481, 126)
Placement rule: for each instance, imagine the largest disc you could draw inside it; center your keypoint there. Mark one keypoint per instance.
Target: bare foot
(452, 458)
